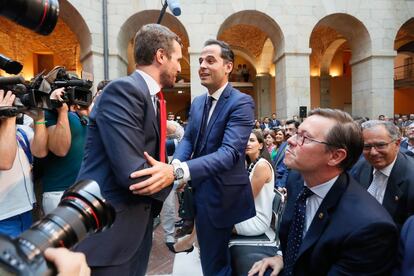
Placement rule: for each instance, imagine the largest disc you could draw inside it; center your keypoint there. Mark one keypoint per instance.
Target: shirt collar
(323, 189)
(216, 95)
(153, 86)
(387, 170)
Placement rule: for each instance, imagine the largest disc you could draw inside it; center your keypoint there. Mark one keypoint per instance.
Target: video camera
(82, 210)
(36, 94)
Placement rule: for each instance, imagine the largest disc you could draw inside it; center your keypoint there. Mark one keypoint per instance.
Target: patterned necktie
(163, 125)
(204, 121)
(295, 235)
(375, 188)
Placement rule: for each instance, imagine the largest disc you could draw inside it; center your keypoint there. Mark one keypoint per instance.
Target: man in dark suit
(386, 172)
(331, 226)
(266, 124)
(212, 156)
(274, 122)
(124, 124)
(281, 171)
(407, 146)
(405, 264)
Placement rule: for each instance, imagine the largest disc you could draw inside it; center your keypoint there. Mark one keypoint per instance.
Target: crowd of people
(349, 182)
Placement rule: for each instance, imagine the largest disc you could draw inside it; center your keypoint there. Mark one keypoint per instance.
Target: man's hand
(8, 99)
(259, 268)
(68, 263)
(57, 95)
(161, 176)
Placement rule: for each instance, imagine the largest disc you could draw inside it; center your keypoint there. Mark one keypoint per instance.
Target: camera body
(36, 94)
(82, 210)
(13, 260)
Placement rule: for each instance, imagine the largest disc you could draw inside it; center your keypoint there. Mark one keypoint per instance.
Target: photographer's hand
(68, 263)
(8, 99)
(8, 145)
(59, 135)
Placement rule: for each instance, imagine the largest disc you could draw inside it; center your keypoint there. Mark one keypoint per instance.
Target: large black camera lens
(82, 210)
(38, 15)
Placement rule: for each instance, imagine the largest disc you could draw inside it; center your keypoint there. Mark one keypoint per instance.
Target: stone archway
(179, 98)
(342, 41)
(404, 68)
(253, 33)
(71, 16)
(135, 22)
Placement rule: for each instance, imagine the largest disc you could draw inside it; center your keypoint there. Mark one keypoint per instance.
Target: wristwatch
(178, 171)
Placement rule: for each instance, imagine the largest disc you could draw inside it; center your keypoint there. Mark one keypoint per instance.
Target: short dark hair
(345, 134)
(264, 153)
(226, 52)
(102, 84)
(149, 39)
(289, 122)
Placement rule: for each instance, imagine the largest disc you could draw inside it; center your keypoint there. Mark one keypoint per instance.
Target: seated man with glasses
(331, 225)
(386, 173)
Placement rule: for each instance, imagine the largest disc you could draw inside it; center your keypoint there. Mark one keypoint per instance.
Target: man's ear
(160, 56)
(337, 156)
(228, 67)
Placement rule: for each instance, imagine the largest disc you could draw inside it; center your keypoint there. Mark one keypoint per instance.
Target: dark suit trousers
(214, 242)
(138, 264)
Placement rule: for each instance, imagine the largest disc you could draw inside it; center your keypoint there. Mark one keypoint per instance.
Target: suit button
(396, 198)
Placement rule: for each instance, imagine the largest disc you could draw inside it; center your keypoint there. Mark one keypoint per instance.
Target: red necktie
(163, 125)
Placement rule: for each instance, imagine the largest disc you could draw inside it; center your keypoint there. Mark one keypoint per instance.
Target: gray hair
(392, 129)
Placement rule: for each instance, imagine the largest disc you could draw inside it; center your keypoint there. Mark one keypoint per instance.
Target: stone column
(262, 89)
(373, 86)
(196, 87)
(292, 83)
(325, 93)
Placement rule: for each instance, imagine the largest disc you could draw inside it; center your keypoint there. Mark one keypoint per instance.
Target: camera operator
(18, 146)
(67, 131)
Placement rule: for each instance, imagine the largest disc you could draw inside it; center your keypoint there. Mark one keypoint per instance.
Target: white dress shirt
(153, 87)
(381, 184)
(314, 201)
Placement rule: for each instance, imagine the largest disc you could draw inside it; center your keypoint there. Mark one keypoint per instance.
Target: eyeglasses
(300, 140)
(377, 146)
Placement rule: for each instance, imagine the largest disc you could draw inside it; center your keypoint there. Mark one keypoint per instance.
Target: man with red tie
(128, 119)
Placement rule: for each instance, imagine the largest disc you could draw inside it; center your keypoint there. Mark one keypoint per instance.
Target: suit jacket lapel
(393, 192)
(321, 217)
(217, 110)
(366, 175)
(198, 117)
(142, 86)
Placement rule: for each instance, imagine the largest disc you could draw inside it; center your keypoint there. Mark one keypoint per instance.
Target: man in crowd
(386, 172)
(274, 122)
(123, 125)
(281, 171)
(18, 145)
(331, 226)
(407, 146)
(266, 124)
(67, 133)
(212, 156)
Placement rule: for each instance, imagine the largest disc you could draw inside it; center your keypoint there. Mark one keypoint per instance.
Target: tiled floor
(163, 262)
(161, 259)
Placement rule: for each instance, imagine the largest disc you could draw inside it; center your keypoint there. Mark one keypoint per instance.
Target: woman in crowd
(257, 124)
(262, 180)
(270, 139)
(279, 137)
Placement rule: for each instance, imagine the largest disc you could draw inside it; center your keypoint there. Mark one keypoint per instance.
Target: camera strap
(25, 145)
